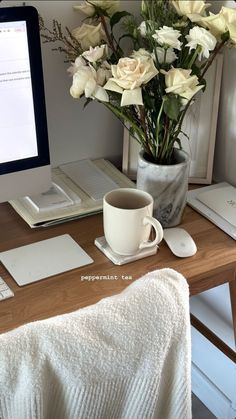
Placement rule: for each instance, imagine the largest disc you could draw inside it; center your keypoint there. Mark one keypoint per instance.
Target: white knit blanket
(126, 357)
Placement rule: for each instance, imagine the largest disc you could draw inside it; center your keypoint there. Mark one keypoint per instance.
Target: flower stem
(123, 117)
(181, 119)
(209, 62)
(194, 57)
(143, 125)
(165, 141)
(165, 53)
(109, 38)
(158, 127)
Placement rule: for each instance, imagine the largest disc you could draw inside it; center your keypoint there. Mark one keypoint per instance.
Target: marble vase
(168, 185)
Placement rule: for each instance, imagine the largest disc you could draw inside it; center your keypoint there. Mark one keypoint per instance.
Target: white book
(222, 201)
(54, 198)
(213, 207)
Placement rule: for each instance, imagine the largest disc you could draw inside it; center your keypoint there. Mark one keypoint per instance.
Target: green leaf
(178, 141)
(99, 11)
(184, 134)
(203, 83)
(149, 100)
(117, 17)
(126, 35)
(172, 107)
(196, 71)
(113, 58)
(88, 100)
(131, 131)
(225, 36)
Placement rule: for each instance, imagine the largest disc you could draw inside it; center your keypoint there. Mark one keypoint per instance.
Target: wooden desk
(213, 265)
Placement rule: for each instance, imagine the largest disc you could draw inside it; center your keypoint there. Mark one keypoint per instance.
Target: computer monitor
(24, 150)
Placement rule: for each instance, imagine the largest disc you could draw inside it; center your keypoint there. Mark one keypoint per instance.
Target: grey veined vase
(168, 185)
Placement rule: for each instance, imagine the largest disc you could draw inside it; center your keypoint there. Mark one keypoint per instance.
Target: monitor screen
(24, 151)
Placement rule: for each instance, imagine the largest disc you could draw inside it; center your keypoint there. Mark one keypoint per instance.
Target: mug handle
(158, 229)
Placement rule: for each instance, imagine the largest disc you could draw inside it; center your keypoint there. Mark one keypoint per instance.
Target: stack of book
(66, 199)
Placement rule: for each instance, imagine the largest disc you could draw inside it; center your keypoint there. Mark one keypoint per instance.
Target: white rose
(128, 75)
(185, 8)
(222, 22)
(85, 8)
(75, 66)
(200, 36)
(162, 54)
(215, 23)
(180, 82)
(110, 6)
(229, 15)
(232, 33)
(89, 35)
(230, 19)
(168, 36)
(144, 27)
(142, 53)
(85, 82)
(95, 54)
(104, 73)
(83, 79)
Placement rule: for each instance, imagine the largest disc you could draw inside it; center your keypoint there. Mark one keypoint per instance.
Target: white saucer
(102, 245)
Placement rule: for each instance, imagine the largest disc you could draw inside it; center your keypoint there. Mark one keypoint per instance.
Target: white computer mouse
(180, 242)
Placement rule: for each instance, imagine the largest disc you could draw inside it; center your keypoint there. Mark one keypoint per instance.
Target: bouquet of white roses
(150, 84)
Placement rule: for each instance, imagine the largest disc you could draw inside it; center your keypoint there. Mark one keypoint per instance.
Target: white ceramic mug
(127, 221)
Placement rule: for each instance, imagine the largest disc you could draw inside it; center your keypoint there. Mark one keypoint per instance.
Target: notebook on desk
(217, 203)
(222, 201)
(83, 205)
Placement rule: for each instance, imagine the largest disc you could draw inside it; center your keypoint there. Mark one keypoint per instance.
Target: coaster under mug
(102, 245)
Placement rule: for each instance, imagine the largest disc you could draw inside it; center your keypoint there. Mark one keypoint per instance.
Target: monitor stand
(43, 259)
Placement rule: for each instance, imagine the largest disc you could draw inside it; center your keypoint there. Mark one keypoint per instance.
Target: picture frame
(200, 125)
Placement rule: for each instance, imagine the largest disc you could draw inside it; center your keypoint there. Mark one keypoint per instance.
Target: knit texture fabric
(126, 357)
